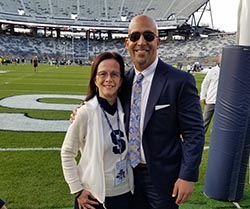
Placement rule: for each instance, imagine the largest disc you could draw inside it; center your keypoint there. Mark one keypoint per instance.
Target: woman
(103, 177)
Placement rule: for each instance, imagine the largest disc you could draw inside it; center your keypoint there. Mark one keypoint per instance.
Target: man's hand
(182, 190)
(203, 101)
(73, 115)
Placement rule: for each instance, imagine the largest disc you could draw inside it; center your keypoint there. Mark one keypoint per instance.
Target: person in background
(35, 63)
(103, 177)
(208, 93)
(188, 68)
(2, 204)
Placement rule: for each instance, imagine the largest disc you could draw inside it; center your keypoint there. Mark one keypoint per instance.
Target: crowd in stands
(108, 12)
(21, 48)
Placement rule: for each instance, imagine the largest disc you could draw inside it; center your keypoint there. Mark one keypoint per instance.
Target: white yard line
(44, 149)
(206, 147)
(31, 149)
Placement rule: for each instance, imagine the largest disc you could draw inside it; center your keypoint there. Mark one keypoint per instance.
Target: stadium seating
(60, 48)
(46, 11)
(102, 13)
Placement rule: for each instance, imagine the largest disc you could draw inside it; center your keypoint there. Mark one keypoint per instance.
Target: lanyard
(118, 140)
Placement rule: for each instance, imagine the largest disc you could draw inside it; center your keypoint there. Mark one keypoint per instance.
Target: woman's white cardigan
(86, 134)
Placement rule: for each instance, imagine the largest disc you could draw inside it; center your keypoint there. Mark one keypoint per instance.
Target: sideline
(44, 149)
(31, 149)
(206, 148)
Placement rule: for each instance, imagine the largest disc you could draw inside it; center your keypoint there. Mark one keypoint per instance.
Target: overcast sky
(224, 14)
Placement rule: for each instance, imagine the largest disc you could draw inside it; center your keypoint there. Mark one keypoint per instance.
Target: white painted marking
(37, 149)
(32, 102)
(31, 149)
(206, 147)
(21, 122)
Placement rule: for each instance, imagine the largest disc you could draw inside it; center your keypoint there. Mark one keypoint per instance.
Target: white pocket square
(158, 107)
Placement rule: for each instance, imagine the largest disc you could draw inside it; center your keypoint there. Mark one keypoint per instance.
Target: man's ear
(158, 42)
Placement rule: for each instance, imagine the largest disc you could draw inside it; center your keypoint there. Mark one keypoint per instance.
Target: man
(171, 123)
(208, 93)
(35, 63)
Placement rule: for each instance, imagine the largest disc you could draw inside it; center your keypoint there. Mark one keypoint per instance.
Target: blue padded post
(230, 138)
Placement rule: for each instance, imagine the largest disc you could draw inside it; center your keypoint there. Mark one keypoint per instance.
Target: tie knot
(139, 78)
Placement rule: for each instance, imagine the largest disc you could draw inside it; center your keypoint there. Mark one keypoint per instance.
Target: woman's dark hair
(92, 89)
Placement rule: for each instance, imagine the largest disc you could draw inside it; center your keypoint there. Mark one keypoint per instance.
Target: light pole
(73, 48)
(64, 44)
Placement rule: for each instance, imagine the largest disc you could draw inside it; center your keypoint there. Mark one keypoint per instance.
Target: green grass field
(33, 179)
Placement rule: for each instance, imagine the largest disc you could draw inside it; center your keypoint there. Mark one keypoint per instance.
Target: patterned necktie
(134, 123)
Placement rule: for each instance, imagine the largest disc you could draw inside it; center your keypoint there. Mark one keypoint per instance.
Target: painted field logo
(21, 122)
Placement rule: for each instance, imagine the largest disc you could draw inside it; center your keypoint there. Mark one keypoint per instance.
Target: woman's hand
(86, 200)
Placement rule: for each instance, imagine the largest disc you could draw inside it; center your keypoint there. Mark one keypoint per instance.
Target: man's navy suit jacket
(173, 132)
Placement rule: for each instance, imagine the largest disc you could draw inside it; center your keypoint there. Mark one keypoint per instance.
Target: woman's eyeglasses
(104, 74)
(147, 35)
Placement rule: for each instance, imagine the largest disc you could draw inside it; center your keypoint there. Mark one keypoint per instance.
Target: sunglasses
(147, 35)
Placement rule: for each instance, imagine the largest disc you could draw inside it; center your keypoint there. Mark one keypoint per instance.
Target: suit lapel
(128, 84)
(158, 82)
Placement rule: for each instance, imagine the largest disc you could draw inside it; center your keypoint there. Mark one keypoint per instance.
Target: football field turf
(30, 165)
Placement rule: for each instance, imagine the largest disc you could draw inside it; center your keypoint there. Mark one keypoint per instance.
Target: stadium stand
(171, 51)
(108, 11)
(99, 21)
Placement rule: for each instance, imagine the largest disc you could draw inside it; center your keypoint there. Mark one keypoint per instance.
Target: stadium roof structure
(104, 15)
